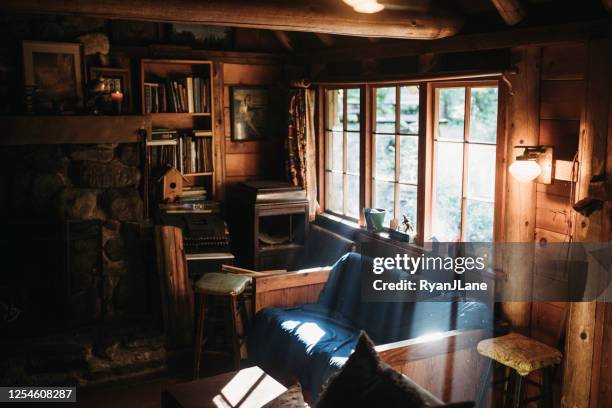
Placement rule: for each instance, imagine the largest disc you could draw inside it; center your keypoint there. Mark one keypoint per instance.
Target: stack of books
(185, 95)
(196, 151)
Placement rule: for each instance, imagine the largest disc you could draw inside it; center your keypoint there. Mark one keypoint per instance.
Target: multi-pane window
(395, 144)
(465, 136)
(342, 138)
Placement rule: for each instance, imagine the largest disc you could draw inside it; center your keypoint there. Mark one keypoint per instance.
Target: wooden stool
(522, 355)
(224, 285)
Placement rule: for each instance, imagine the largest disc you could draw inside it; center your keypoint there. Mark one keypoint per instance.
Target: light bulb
(525, 170)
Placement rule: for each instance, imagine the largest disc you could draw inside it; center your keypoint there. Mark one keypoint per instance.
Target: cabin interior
(195, 195)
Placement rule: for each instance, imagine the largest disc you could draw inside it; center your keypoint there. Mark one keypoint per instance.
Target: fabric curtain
(301, 145)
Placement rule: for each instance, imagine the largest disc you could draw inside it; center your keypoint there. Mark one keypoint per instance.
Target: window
(342, 148)
(455, 171)
(395, 148)
(464, 149)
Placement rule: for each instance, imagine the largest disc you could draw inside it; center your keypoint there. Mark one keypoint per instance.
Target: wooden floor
(145, 393)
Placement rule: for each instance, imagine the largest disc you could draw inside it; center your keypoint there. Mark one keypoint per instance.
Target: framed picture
(211, 37)
(55, 71)
(115, 80)
(250, 112)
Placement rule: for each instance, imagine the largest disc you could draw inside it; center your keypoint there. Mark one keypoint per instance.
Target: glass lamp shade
(365, 6)
(525, 170)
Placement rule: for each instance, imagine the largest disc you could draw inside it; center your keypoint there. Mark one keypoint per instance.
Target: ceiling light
(365, 6)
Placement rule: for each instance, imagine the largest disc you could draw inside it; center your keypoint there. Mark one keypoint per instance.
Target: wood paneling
(563, 135)
(563, 61)
(250, 159)
(561, 100)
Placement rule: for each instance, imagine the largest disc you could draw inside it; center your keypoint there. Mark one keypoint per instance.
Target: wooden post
(523, 125)
(218, 130)
(512, 11)
(580, 343)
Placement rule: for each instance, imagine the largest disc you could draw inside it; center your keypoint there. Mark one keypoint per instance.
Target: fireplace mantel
(20, 130)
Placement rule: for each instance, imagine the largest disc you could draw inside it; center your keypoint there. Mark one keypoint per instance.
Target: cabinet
(268, 224)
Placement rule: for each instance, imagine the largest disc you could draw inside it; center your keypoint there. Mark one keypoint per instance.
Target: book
(189, 89)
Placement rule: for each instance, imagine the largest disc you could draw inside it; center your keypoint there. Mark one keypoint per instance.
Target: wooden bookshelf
(163, 71)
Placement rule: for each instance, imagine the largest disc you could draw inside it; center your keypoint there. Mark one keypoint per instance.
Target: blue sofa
(312, 341)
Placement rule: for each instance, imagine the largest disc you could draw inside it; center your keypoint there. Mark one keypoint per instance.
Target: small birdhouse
(171, 184)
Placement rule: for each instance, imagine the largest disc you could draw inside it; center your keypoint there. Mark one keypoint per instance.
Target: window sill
(353, 230)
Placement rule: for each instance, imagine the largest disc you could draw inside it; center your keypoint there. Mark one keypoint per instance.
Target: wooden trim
(424, 347)
(290, 280)
(501, 163)
(412, 79)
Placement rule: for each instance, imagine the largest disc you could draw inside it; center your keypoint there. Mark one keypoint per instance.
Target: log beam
(326, 39)
(545, 35)
(297, 15)
(511, 11)
(284, 39)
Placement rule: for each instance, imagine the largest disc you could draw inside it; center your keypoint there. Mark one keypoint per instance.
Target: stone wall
(94, 190)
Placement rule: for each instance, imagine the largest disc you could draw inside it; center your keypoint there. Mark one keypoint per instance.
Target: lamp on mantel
(365, 6)
(535, 162)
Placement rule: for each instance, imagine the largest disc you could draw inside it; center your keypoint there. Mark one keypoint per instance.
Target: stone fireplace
(80, 266)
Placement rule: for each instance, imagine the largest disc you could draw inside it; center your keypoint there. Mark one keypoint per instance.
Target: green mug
(374, 218)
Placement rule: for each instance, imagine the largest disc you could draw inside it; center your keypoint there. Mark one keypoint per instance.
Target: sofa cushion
(310, 342)
(387, 322)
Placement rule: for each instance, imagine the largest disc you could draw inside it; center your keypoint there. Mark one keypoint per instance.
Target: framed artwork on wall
(54, 71)
(250, 112)
(116, 81)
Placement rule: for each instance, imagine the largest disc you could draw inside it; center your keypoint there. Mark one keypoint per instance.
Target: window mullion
(466, 138)
(396, 206)
(344, 129)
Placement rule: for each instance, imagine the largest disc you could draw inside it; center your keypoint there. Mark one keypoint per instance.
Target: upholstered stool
(225, 285)
(522, 355)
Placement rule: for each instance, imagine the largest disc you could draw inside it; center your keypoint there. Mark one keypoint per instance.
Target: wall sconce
(534, 163)
(365, 6)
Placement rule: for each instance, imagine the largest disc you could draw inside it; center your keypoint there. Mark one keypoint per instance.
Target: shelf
(65, 129)
(172, 142)
(208, 173)
(279, 247)
(166, 114)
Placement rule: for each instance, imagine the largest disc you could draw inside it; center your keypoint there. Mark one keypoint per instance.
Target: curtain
(300, 145)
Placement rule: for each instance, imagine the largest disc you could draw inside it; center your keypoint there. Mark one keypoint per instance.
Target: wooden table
(247, 388)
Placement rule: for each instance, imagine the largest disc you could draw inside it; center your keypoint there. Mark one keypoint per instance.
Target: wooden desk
(247, 388)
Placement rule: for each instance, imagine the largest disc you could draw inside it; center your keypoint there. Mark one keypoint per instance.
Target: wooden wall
(561, 101)
(254, 159)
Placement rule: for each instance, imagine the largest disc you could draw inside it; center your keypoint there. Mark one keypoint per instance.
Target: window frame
(325, 128)
(397, 182)
(500, 150)
(426, 157)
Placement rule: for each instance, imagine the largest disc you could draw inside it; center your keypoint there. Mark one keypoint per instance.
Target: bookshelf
(177, 96)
